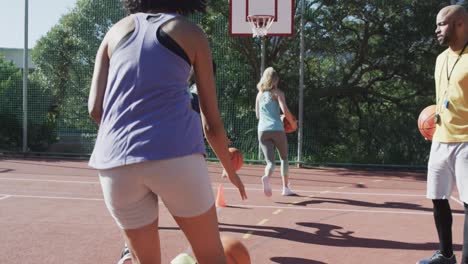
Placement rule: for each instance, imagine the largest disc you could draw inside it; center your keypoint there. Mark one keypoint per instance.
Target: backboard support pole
(300, 134)
(262, 69)
(25, 77)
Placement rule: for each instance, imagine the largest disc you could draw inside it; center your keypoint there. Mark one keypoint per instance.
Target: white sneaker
(287, 192)
(126, 259)
(183, 258)
(266, 186)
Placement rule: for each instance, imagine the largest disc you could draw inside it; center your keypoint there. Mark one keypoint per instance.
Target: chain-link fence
(365, 116)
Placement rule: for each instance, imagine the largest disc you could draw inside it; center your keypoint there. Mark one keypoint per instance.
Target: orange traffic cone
(220, 202)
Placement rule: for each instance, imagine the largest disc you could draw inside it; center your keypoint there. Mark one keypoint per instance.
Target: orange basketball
(287, 126)
(235, 251)
(236, 158)
(426, 122)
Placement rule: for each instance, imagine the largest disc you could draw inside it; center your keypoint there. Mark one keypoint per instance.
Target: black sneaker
(438, 258)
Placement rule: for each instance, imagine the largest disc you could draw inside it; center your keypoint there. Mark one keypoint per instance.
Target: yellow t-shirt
(453, 124)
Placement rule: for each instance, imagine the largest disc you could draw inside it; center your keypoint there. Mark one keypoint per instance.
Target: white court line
(277, 211)
(52, 197)
(231, 188)
(247, 235)
(57, 181)
(247, 206)
(456, 200)
(339, 210)
(5, 197)
(379, 194)
(333, 192)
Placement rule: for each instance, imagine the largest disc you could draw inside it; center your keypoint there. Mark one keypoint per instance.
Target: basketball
(287, 126)
(235, 251)
(236, 158)
(426, 122)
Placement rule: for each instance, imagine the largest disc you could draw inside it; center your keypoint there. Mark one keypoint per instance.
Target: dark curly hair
(183, 7)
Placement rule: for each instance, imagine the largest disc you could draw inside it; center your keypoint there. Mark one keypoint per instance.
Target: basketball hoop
(260, 24)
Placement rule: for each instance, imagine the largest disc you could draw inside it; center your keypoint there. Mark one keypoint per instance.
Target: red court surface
(52, 211)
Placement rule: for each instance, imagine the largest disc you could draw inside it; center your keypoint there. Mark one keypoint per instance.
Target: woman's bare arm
(284, 108)
(194, 41)
(98, 83)
(257, 101)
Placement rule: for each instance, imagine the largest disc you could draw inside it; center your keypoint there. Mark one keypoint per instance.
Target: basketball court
(52, 211)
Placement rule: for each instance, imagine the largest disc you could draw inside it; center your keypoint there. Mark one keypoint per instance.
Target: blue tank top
(269, 113)
(147, 112)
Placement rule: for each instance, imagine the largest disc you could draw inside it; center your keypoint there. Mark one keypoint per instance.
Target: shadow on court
(326, 235)
(238, 207)
(385, 205)
(288, 260)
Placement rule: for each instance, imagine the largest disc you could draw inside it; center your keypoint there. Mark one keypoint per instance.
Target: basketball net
(260, 24)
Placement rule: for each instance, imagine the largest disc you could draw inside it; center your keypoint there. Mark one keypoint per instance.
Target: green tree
(40, 124)
(10, 87)
(65, 59)
(368, 73)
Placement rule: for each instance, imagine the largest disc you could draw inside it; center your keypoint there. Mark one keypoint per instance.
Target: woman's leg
(281, 142)
(268, 149)
(185, 188)
(144, 244)
(135, 210)
(202, 233)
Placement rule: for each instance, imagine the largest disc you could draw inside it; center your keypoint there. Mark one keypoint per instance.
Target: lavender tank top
(147, 112)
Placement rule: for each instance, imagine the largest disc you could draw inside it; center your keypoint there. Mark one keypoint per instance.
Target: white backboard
(282, 10)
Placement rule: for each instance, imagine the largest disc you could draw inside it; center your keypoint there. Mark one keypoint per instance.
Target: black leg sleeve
(464, 259)
(443, 222)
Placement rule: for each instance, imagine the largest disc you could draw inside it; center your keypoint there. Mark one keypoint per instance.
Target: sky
(43, 14)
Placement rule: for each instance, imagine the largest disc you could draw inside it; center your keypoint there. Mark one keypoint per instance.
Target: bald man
(448, 160)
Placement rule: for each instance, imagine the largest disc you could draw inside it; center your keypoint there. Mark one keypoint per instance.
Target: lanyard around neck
(453, 67)
(439, 106)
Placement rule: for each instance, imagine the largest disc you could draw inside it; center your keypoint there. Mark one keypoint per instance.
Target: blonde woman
(269, 104)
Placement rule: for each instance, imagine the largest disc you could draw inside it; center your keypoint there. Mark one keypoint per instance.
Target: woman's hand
(236, 181)
(294, 125)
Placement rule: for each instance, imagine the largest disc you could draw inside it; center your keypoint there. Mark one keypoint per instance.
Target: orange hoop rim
(259, 16)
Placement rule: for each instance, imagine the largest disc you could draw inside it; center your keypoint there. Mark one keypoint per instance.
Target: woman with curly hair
(150, 143)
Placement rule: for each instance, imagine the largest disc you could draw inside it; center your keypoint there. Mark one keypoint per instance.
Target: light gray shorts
(131, 192)
(448, 164)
